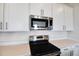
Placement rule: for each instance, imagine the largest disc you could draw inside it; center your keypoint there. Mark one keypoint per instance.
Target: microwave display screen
(43, 23)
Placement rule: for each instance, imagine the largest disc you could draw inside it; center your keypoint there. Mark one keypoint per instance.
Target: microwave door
(41, 23)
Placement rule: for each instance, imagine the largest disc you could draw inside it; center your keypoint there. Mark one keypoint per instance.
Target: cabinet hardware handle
(6, 25)
(66, 49)
(64, 27)
(1, 25)
(43, 12)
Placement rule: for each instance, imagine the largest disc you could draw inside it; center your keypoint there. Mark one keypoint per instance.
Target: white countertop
(64, 43)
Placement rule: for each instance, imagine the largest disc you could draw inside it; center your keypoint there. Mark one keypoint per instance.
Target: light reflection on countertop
(64, 42)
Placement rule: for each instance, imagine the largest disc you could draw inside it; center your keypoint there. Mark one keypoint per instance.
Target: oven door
(39, 23)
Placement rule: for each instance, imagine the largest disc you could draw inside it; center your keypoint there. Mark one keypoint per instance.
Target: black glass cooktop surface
(42, 47)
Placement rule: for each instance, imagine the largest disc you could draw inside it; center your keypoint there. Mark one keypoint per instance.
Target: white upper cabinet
(46, 7)
(35, 8)
(42, 9)
(68, 17)
(58, 16)
(16, 17)
(1, 17)
(62, 17)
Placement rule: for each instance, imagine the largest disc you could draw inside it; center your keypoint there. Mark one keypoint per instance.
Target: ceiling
(73, 4)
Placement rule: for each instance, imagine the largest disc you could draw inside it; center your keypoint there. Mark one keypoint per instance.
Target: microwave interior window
(50, 22)
(40, 23)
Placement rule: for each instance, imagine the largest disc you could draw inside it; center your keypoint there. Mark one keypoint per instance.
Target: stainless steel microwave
(41, 22)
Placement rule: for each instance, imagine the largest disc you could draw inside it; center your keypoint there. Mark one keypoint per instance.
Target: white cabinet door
(68, 18)
(62, 17)
(65, 52)
(1, 16)
(58, 16)
(16, 17)
(35, 8)
(75, 50)
(42, 9)
(46, 7)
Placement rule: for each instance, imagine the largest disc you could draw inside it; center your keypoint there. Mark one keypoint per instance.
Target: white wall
(53, 35)
(10, 38)
(58, 35)
(75, 34)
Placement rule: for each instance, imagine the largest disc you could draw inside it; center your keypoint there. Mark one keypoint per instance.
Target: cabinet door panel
(35, 8)
(58, 17)
(16, 17)
(47, 9)
(68, 18)
(1, 16)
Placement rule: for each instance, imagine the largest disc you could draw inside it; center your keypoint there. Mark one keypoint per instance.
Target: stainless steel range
(40, 46)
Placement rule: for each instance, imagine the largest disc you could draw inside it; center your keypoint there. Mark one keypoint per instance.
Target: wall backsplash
(24, 36)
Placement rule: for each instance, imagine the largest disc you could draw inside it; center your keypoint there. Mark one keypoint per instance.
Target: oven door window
(41, 23)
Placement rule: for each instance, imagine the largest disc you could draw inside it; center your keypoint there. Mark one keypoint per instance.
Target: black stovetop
(42, 47)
